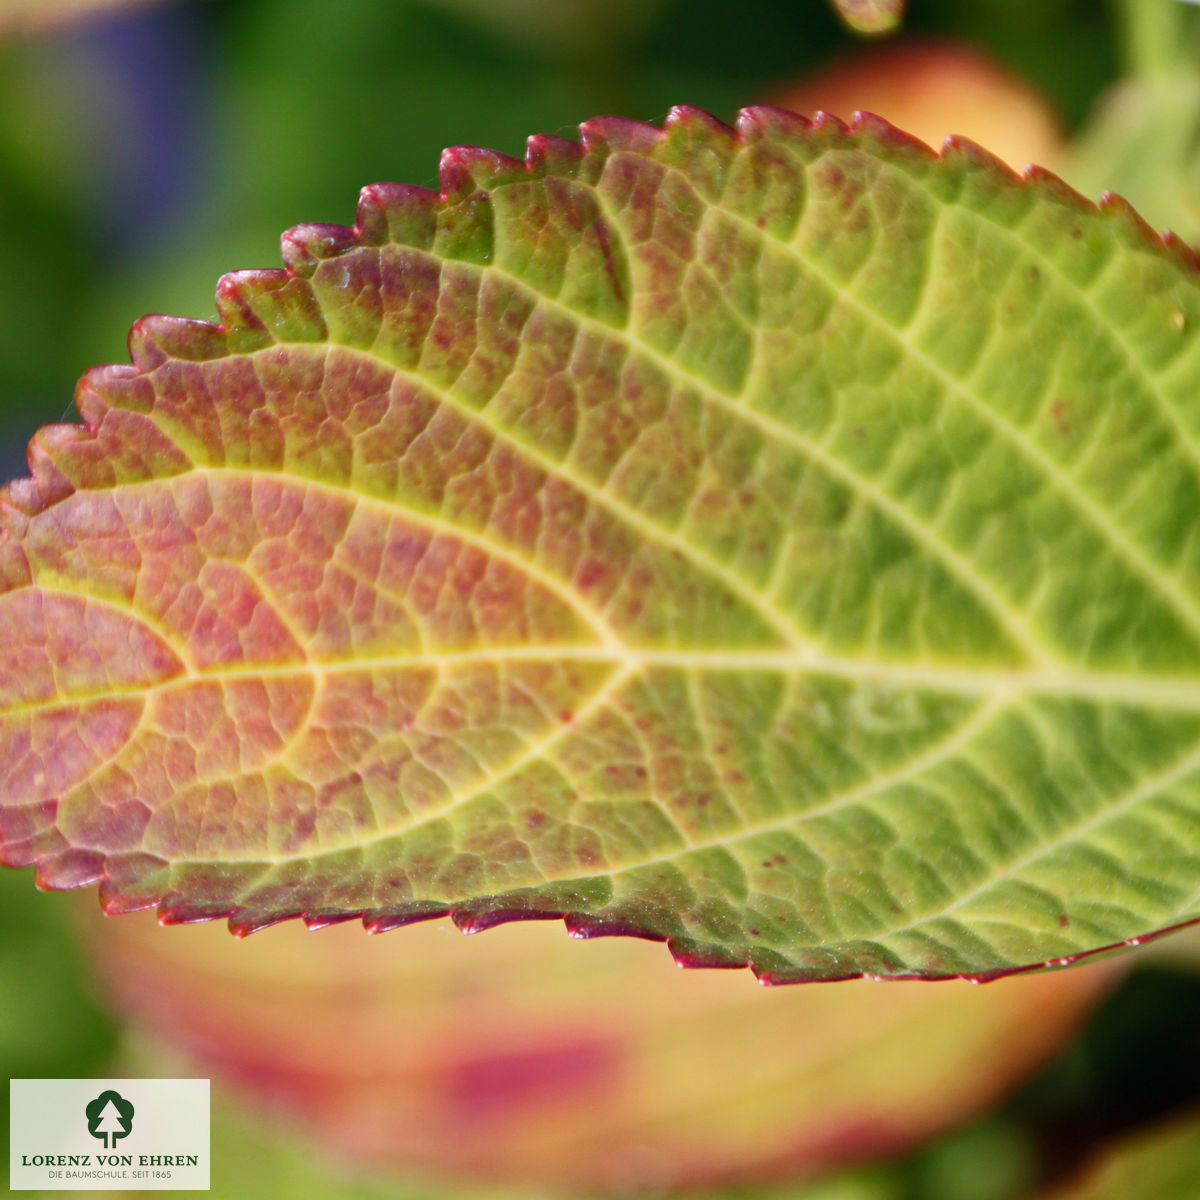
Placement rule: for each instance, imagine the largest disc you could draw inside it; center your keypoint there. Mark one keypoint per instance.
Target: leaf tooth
(304, 247)
(776, 976)
(765, 122)
(268, 306)
(20, 499)
(690, 118)
(136, 880)
(399, 213)
(1155, 934)
(325, 920)
(475, 920)
(961, 151)
(831, 125)
(700, 146)
(116, 898)
(1050, 186)
(584, 926)
(243, 328)
(117, 441)
(18, 848)
(989, 976)
(50, 442)
(1184, 252)
(886, 134)
(245, 921)
(466, 169)
(546, 154)
(389, 919)
(155, 339)
(99, 387)
(691, 955)
(606, 135)
(1132, 224)
(1093, 954)
(72, 868)
(176, 911)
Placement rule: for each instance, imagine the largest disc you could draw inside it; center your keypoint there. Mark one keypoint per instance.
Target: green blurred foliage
(1159, 1164)
(1144, 138)
(53, 1024)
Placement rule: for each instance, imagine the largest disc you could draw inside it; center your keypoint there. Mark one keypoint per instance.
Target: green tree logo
(109, 1117)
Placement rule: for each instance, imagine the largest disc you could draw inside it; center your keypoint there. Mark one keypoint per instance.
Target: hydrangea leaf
(780, 541)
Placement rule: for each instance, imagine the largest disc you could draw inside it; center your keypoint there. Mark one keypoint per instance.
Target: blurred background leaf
(1143, 140)
(871, 16)
(1162, 1163)
(518, 1056)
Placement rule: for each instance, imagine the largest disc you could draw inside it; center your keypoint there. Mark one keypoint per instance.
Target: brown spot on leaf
(1060, 412)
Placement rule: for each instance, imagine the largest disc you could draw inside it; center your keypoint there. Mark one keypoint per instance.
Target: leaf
(1161, 1163)
(518, 1058)
(779, 541)
(871, 16)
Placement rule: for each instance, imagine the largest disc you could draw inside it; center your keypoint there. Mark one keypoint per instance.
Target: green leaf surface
(780, 541)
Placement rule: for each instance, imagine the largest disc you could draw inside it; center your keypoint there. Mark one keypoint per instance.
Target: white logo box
(109, 1134)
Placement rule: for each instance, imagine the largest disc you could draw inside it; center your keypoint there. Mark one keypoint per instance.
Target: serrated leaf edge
(240, 329)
